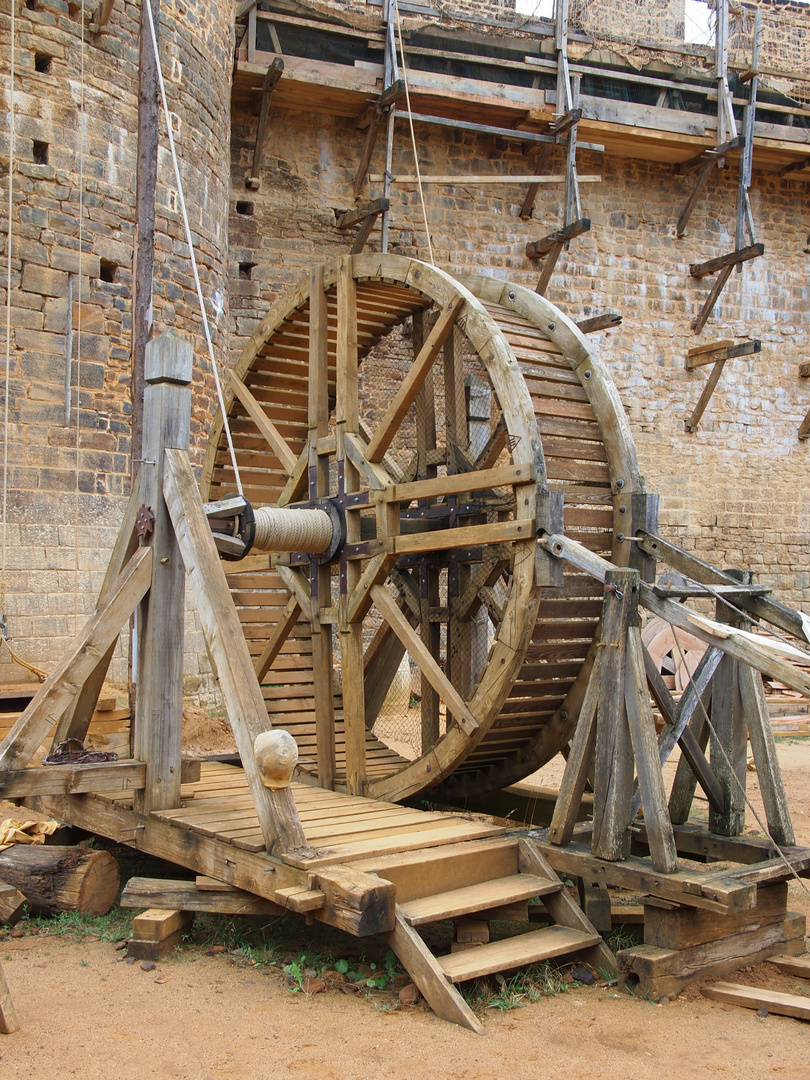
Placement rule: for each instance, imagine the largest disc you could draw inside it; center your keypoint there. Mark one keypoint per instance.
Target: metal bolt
(563, 714)
(511, 296)
(620, 537)
(587, 374)
(552, 326)
(622, 509)
(619, 484)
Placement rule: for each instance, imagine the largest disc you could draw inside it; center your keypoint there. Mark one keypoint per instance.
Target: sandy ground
(85, 1012)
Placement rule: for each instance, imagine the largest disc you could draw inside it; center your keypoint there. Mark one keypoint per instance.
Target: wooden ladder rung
(487, 894)
(515, 952)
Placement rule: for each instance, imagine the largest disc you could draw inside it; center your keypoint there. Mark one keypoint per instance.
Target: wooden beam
(76, 718)
(579, 763)
(613, 757)
(422, 966)
(427, 663)
(101, 16)
(245, 705)
(766, 655)
(281, 632)
(804, 428)
(358, 215)
(538, 248)
(804, 369)
(186, 896)
(599, 322)
(566, 121)
(645, 750)
(73, 779)
(719, 350)
(713, 155)
(711, 299)
(409, 387)
(541, 164)
(711, 383)
(268, 429)
(158, 718)
(67, 678)
(465, 179)
(751, 997)
(711, 266)
(686, 563)
(757, 720)
(271, 78)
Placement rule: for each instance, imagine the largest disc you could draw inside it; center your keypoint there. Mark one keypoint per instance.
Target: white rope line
(69, 359)
(730, 767)
(413, 136)
(181, 195)
(8, 311)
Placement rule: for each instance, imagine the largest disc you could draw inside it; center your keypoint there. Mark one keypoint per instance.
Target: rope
(731, 771)
(69, 359)
(8, 313)
(186, 226)
(284, 529)
(15, 656)
(413, 136)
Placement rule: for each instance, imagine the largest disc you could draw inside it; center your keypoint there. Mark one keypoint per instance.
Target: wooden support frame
(538, 248)
(67, 678)
(763, 607)
(271, 78)
(722, 266)
(278, 817)
(715, 354)
(366, 217)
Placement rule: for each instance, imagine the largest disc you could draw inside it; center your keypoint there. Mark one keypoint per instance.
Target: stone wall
(72, 229)
(736, 491)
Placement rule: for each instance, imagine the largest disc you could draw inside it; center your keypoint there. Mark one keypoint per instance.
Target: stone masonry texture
(736, 491)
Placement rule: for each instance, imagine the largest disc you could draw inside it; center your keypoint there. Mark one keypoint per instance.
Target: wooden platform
(340, 828)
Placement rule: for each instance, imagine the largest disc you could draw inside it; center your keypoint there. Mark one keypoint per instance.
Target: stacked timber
(108, 731)
(682, 944)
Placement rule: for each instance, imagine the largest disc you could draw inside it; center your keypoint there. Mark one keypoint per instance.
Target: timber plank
(751, 997)
(515, 952)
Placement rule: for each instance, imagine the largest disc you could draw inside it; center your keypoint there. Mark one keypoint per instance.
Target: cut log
(56, 879)
(11, 904)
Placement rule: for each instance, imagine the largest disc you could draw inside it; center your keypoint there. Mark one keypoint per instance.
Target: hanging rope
(69, 360)
(730, 767)
(182, 198)
(413, 136)
(8, 314)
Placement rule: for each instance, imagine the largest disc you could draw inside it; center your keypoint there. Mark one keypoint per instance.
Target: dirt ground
(85, 1012)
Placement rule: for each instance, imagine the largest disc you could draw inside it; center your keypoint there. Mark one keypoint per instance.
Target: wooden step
(481, 897)
(518, 951)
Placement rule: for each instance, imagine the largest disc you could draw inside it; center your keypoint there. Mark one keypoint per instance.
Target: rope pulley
(239, 529)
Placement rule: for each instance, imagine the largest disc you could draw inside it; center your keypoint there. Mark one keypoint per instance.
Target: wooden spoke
(438, 680)
(406, 395)
(262, 421)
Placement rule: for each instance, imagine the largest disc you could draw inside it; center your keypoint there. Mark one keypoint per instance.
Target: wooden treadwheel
(433, 418)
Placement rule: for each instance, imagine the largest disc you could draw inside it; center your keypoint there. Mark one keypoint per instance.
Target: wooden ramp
(370, 868)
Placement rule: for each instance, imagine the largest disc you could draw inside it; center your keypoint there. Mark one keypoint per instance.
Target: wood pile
(109, 726)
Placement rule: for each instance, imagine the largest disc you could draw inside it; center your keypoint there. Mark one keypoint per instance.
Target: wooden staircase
(487, 876)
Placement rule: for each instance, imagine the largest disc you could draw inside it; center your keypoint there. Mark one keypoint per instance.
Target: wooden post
(145, 183)
(159, 689)
(729, 744)
(320, 576)
(613, 771)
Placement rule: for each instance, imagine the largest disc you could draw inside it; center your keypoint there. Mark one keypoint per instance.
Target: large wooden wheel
(431, 418)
